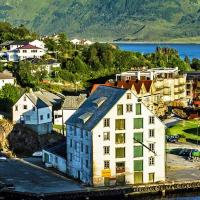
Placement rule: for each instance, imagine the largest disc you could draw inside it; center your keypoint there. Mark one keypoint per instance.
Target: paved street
(28, 178)
(180, 169)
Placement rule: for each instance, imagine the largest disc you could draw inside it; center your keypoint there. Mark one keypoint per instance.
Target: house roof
(44, 98)
(29, 46)
(73, 102)
(5, 76)
(95, 86)
(6, 43)
(22, 42)
(136, 83)
(58, 148)
(91, 111)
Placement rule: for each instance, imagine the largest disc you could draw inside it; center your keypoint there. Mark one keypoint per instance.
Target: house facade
(6, 79)
(113, 139)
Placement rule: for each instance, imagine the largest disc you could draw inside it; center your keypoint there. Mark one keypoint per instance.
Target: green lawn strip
(58, 127)
(186, 128)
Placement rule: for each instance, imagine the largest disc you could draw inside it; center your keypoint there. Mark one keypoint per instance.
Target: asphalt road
(29, 178)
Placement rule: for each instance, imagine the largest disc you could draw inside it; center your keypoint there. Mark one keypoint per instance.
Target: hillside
(107, 19)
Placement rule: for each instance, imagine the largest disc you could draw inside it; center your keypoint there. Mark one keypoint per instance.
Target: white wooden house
(114, 139)
(6, 79)
(35, 110)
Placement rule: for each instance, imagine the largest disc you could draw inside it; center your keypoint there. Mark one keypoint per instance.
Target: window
(138, 165)
(120, 167)
(25, 107)
(138, 123)
(71, 143)
(24, 51)
(151, 133)
(129, 107)
(120, 138)
(81, 147)
(70, 156)
(106, 122)
(128, 95)
(151, 161)
(138, 108)
(86, 133)
(86, 163)
(120, 152)
(151, 120)
(138, 151)
(152, 147)
(86, 149)
(41, 117)
(151, 177)
(48, 116)
(138, 137)
(106, 136)
(106, 164)
(120, 109)
(33, 108)
(119, 124)
(24, 98)
(106, 150)
(75, 146)
(74, 131)
(56, 159)
(34, 51)
(28, 117)
(16, 108)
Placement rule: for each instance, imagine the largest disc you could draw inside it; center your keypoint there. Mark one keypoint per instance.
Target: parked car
(37, 154)
(3, 159)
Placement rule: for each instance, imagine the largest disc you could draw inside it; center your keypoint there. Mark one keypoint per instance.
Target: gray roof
(44, 98)
(6, 43)
(73, 102)
(91, 112)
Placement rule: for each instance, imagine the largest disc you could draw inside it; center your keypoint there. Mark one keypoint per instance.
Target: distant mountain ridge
(107, 19)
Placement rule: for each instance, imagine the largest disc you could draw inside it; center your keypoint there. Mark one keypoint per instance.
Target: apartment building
(170, 85)
(114, 139)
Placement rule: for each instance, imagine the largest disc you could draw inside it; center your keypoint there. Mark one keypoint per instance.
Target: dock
(161, 189)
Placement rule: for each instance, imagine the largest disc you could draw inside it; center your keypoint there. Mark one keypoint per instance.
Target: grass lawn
(186, 128)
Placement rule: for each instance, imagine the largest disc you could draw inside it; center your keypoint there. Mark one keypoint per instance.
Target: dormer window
(100, 101)
(85, 117)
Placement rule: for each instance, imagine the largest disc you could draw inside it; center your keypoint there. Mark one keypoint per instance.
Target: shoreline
(153, 42)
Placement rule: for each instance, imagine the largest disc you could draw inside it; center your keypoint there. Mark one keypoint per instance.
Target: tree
(195, 64)
(9, 94)
(30, 75)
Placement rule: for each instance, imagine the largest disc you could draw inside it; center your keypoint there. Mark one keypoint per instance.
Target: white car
(37, 154)
(3, 158)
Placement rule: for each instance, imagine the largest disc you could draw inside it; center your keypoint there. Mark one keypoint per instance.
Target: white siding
(6, 81)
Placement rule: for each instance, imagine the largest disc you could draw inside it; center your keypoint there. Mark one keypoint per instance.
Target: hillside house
(68, 108)
(35, 110)
(6, 78)
(114, 139)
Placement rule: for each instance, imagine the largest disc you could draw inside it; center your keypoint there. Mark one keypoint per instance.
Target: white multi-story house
(35, 110)
(113, 138)
(21, 50)
(6, 79)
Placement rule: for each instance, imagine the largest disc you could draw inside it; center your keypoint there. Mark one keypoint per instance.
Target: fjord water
(190, 50)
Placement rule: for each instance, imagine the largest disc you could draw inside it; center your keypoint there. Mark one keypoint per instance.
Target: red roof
(95, 86)
(137, 84)
(29, 46)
